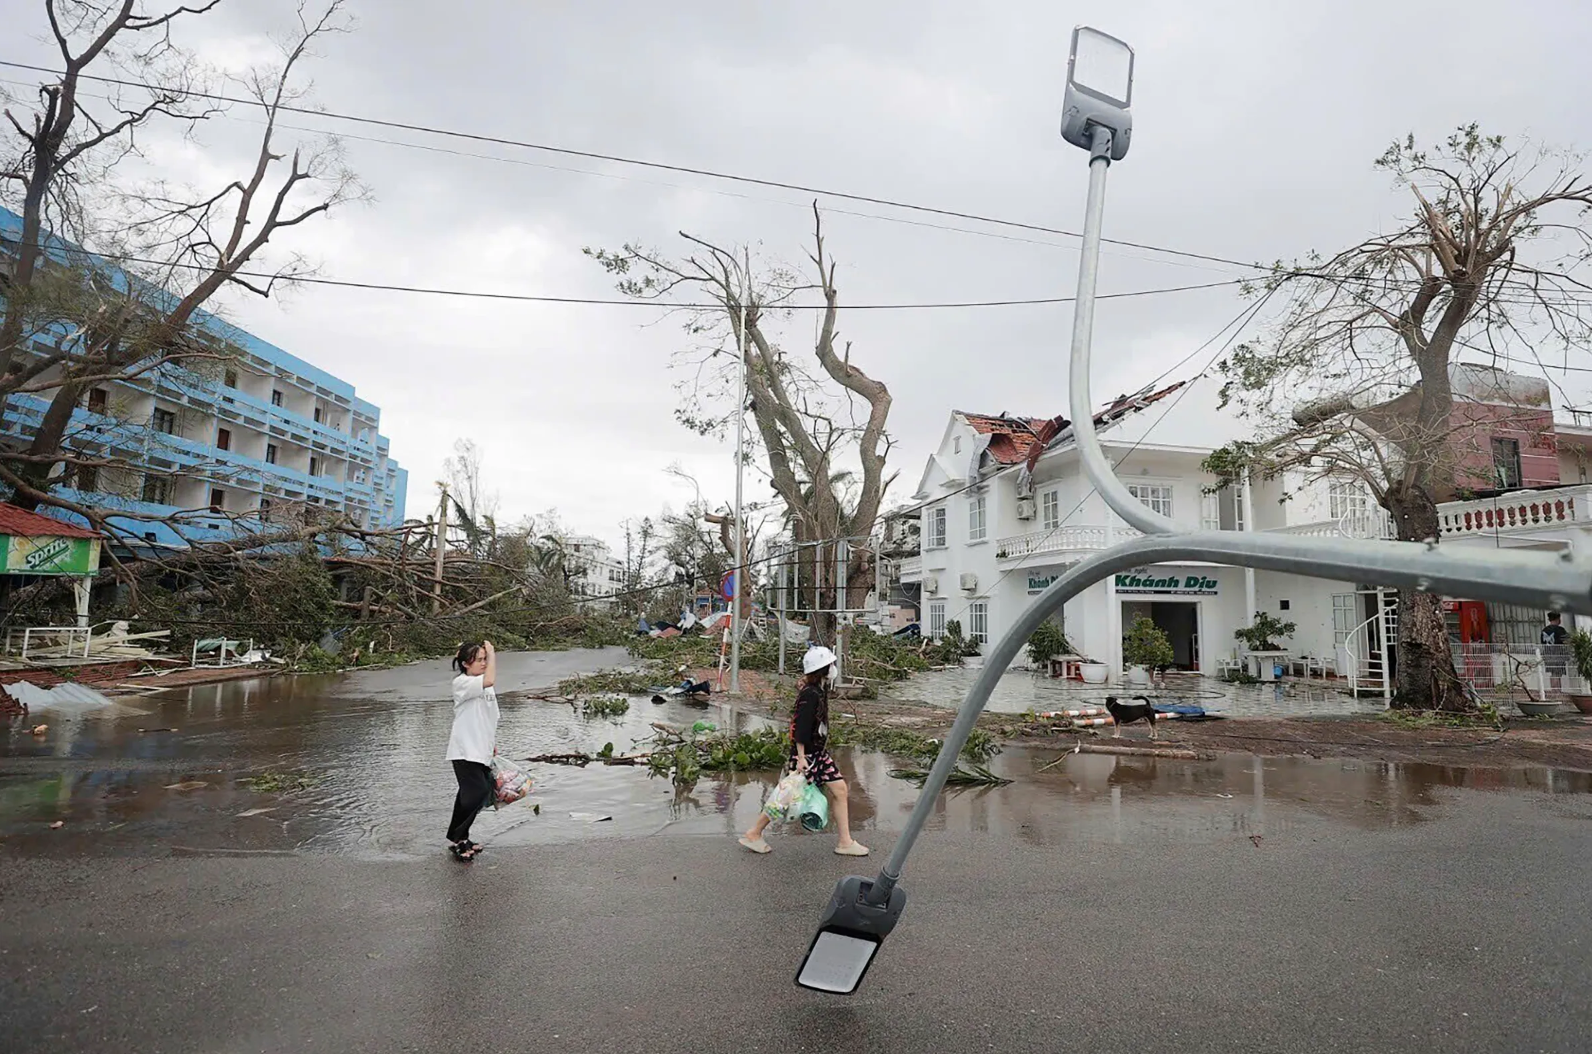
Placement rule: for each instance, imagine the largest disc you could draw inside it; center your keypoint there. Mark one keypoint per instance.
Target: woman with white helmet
(809, 733)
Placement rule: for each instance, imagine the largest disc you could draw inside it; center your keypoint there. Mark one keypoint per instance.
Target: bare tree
(64, 145)
(113, 327)
(806, 421)
(1356, 381)
(463, 471)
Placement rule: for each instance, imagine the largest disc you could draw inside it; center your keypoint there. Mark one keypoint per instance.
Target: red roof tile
(1014, 440)
(20, 522)
(1011, 438)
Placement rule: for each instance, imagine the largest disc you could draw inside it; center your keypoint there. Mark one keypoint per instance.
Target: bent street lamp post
(862, 912)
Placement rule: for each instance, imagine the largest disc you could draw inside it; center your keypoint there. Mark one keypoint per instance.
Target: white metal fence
(1541, 670)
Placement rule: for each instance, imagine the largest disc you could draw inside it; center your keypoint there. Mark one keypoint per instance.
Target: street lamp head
(858, 919)
(1099, 93)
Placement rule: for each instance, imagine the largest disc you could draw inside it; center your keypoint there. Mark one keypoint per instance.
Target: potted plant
(1047, 642)
(1093, 672)
(1145, 647)
(1261, 637)
(1581, 648)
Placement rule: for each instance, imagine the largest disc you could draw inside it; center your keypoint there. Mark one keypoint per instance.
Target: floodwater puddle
(353, 764)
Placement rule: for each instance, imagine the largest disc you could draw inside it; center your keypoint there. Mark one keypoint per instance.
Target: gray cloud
(1255, 127)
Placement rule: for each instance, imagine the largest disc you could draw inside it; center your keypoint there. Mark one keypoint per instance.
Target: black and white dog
(1127, 713)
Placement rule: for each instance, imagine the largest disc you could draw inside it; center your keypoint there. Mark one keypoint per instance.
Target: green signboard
(49, 555)
(1039, 583)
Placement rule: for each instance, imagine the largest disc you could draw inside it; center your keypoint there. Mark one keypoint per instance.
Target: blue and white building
(257, 436)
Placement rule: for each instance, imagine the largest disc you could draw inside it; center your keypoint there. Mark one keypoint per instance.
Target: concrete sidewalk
(1464, 931)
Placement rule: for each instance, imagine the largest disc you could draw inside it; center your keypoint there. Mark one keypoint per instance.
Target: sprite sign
(49, 555)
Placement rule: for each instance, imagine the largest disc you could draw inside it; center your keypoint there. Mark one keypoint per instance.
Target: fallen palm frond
(972, 775)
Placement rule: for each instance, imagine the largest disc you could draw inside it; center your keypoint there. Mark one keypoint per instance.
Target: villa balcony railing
(1373, 523)
(1530, 510)
(1071, 538)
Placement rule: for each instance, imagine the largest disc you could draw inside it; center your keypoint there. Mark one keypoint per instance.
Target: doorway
(1180, 621)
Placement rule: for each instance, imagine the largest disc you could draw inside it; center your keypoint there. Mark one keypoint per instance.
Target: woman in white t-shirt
(473, 742)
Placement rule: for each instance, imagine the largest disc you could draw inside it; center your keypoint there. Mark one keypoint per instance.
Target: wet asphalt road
(1468, 932)
(1106, 904)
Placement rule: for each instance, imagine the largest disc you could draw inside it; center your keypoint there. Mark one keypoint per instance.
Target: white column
(1113, 656)
(80, 592)
(1248, 503)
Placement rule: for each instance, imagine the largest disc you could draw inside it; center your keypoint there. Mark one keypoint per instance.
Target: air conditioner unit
(931, 585)
(969, 581)
(1026, 508)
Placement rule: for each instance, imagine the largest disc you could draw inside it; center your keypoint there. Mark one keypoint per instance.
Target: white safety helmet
(816, 659)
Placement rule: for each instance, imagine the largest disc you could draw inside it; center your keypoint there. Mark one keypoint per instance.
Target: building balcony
(1520, 512)
(912, 569)
(1373, 524)
(1072, 538)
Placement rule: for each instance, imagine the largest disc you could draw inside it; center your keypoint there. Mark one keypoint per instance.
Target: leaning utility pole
(738, 588)
(442, 544)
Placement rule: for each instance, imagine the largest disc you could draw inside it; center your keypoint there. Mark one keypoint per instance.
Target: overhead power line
(661, 166)
(629, 302)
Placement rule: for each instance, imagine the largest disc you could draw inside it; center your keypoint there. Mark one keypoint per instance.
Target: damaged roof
(20, 523)
(1014, 440)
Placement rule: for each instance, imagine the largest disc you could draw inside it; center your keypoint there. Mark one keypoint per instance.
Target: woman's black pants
(475, 791)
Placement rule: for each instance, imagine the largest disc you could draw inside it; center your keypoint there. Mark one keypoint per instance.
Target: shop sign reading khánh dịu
(1148, 581)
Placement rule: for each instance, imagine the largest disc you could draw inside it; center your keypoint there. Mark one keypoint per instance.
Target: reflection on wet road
(354, 764)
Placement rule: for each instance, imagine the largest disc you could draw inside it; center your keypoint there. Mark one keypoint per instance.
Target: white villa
(1005, 509)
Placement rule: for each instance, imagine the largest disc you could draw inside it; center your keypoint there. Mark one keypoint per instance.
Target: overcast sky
(1255, 124)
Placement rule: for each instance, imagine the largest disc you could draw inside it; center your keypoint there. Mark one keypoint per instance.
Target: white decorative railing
(1520, 511)
(1375, 523)
(1062, 540)
(912, 569)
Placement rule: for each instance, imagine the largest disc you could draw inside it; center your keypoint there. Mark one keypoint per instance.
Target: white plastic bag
(786, 797)
(510, 782)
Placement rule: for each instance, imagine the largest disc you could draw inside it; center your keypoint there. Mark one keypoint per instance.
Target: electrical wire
(659, 304)
(642, 163)
(698, 581)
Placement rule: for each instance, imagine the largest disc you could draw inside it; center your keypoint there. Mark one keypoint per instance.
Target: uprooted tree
(808, 422)
(74, 322)
(1357, 380)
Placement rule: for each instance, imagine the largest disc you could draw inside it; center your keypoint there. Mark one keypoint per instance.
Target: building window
(320, 415)
(1347, 498)
(935, 538)
(1210, 511)
(956, 444)
(936, 619)
(276, 397)
(978, 621)
(230, 378)
(1153, 496)
(975, 518)
(87, 479)
(1506, 463)
(1050, 509)
(156, 490)
(265, 506)
(315, 466)
(218, 499)
(97, 400)
(165, 421)
(270, 453)
(223, 439)
(1516, 625)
